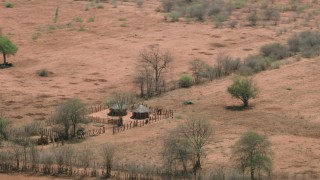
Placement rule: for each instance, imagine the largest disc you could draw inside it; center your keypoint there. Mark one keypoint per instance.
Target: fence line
(70, 171)
(156, 114)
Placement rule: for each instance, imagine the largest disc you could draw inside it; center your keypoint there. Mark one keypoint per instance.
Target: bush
(174, 16)
(252, 18)
(271, 14)
(185, 81)
(245, 71)
(274, 51)
(168, 5)
(243, 88)
(43, 73)
(310, 44)
(197, 11)
(140, 3)
(9, 5)
(294, 43)
(256, 63)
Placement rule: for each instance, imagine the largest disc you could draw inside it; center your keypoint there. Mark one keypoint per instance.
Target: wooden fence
(156, 114)
(54, 170)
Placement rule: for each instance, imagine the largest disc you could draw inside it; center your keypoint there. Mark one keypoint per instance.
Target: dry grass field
(93, 52)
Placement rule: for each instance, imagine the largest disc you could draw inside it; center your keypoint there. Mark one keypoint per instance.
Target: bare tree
(198, 133)
(157, 61)
(145, 81)
(177, 150)
(108, 152)
(70, 113)
(186, 142)
(198, 68)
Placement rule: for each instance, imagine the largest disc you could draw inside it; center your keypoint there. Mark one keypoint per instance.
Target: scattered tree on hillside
(70, 113)
(7, 48)
(252, 151)
(177, 151)
(187, 143)
(155, 61)
(243, 88)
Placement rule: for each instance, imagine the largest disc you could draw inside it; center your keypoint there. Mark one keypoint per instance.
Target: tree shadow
(238, 108)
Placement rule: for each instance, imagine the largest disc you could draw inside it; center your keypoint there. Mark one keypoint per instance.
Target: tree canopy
(7, 48)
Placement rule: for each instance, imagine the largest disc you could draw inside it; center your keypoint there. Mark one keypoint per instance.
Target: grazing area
(160, 89)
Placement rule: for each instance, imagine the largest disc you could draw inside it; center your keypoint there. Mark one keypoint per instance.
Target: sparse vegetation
(275, 51)
(56, 15)
(9, 5)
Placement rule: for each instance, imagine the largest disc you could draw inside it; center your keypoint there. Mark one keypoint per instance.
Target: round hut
(140, 112)
(118, 110)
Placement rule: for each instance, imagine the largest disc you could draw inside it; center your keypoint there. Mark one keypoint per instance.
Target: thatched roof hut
(118, 110)
(140, 112)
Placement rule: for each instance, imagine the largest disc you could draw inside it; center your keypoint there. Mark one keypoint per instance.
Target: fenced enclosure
(155, 115)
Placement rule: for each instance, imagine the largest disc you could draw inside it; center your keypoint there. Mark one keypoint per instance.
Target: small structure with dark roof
(118, 110)
(140, 112)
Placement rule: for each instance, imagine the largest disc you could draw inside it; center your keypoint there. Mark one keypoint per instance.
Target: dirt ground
(90, 60)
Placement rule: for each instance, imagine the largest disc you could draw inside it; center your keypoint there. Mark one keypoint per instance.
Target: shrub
(174, 16)
(294, 43)
(197, 11)
(9, 5)
(256, 63)
(226, 65)
(310, 43)
(274, 51)
(139, 3)
(271, 14)
(78, 19)
(245, 71)
(243, 88)
(185, 81)
(215, 8)
(168, 5)
(43, 73)
(252, 18)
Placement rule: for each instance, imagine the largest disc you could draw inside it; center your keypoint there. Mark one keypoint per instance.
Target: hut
(140, 112)
(118, 110)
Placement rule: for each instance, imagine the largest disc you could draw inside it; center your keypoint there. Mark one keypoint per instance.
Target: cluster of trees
(69, 115)
(187, 144)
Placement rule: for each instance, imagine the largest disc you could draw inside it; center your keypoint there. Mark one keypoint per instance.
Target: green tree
(253, 151)
(243, 88)
(7, 48)
(70, 113)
